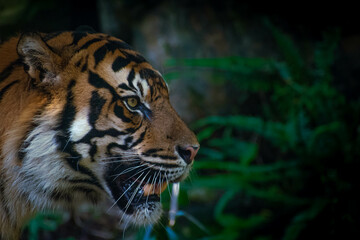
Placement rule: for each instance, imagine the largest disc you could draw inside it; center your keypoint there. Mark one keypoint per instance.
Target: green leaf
(234, 148)
(43, 221)
(248, 155)
(206, 133)
(290, 53)
(277, 132)
(221, 204)
(211, 153)
(231, 221)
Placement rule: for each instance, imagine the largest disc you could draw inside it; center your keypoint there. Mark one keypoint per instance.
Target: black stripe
(100, 54)
(147, 73)
(99, 134)
(132, 130)
(141, 138)
(81, 181)
(162, 156)
(119, 44)
(124, 87)
(151, 151)
(59, 195)
(141, 89)
(152, 91)
(120, 63)
(77, 36)
(128, 140)
(131, 77)
(26, 67)
(88, 43)
(136, 58)
(69, 111)
(7, 87)
(115, 145)
(74, 164)
(96, 104)
(119, 112)
(8, 70)
(82, 189)
(167, 165)
(77, 64)
(98, 82)
(93, 179)
(67, 117)
(111, 46)
(84, 67)
(41, 73)
(93, 151)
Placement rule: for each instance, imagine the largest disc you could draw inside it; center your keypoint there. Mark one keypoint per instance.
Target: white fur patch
(143, 83)
(123, 74)
(80, 127)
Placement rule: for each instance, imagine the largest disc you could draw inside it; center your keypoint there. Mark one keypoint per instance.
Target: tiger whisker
(120, 156)
(135, 192)
(67, 142)
(122, 161)
(136, 174)
(143, 170)
(124, 192)
(152, 182)
(126, 171)
(132, 197)
(160, 182)
(156, 176)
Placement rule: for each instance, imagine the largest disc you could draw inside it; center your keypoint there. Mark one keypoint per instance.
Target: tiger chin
(84, 117)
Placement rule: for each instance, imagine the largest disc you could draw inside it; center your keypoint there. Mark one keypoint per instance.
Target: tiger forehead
(145, 82)
(122, 67)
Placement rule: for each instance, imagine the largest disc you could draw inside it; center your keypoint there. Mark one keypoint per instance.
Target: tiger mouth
(132, 194)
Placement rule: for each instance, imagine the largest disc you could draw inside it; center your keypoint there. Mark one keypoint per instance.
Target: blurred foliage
(286, 172)
(44, 222)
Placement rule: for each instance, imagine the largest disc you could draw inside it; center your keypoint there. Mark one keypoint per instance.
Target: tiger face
(94, 119)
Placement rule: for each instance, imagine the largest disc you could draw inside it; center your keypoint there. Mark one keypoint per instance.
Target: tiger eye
(132, 102)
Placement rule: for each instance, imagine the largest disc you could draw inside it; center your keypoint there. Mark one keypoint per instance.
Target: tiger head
(103, 125)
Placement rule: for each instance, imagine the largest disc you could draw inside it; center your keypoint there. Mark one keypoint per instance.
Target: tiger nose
(188, 153)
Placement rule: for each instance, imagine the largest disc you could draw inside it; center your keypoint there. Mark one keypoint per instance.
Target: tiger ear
(41, 62)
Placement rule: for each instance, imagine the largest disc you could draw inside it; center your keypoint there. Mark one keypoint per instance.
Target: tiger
(83, 118)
